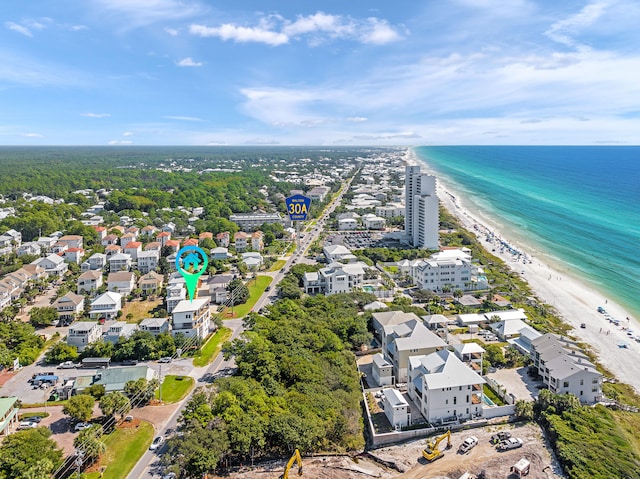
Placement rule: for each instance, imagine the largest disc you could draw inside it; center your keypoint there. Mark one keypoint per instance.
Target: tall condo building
(421, 220)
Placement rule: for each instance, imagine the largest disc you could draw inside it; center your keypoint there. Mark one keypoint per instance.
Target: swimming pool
(487, 401)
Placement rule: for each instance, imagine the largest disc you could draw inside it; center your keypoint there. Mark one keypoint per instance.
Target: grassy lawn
(492, 395)
(256, 288)
(140, 309)
(174, 388)
(124, 447)
(212, 347)
(277, 266)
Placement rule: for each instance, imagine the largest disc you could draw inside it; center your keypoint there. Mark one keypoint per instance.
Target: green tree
(115, 403)
(494, 355)
(61, 352)
(524, 409)
(90, 443)
(199, 452)
(43, 316)
(95, 390)
(140, 391)
(79, 407)
(239, 293)
(29, 453)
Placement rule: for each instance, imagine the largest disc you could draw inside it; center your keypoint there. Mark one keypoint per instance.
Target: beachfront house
(396, 408)
(449, 269)
(444, 388)
(411, 338)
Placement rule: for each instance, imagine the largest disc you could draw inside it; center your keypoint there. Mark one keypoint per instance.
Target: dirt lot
(409, 463)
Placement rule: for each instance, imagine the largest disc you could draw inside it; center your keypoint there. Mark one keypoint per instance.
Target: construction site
(532, 458)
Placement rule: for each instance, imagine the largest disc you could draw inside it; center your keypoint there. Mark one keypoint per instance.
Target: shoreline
(574, 301)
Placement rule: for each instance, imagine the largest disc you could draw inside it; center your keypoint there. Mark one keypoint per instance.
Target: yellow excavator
(295, 458)
(431, 452)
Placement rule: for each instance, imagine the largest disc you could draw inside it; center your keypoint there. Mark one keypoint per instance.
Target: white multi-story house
(89, 281)
(388, 318)
(119, 262)
(123, 282)
(373, 222)
(336, 252)
(192, 318)
(422, 217)
(155, 326)
(52, 264)
(257, 241)
(133, 248)
(73, 255)
(84, 333)
(73, 241)
(381, 370)
(565, 369)
(118, 330)
(69, 306)
(240, 241)
(106, 306)
(97, 261)
(150, 283)
(444, 388)
(175, 293)
(220, 253)
(347, 224)
(450, 268)
(148, 261)
(342, 278)
(223, 239)
(390, 210)
(32, 248)
(396, 408)
(411, 338)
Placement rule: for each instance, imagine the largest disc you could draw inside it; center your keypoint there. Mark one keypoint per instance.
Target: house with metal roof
(444, 388)
(114, 379)
(8, 414)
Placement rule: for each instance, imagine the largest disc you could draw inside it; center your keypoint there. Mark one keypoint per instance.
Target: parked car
(468, 444)
(511, 443)
(164, 360)
(67, 365)
(27, 425)
(157, 442)
(499, 437)
(129, 362)
(36, 419)
(81, 426)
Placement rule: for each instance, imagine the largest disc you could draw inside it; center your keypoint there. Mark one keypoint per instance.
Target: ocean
(577, 205)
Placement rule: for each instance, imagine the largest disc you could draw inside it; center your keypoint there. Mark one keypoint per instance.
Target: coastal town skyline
(187, 72)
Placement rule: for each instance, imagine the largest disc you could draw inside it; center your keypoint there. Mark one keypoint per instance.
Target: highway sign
(298, 207)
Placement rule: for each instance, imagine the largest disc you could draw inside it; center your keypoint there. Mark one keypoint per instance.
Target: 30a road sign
(298, 207)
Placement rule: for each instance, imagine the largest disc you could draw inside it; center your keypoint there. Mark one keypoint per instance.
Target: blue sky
(181, 72)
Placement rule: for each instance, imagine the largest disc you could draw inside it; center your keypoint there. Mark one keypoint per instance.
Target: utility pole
(160, 378)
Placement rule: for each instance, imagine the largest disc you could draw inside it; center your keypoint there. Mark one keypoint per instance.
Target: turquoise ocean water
(579, 205)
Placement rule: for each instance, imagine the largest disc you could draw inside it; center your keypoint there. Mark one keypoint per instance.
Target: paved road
(149, 464)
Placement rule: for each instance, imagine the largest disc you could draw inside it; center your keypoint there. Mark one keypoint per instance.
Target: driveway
(517, 382)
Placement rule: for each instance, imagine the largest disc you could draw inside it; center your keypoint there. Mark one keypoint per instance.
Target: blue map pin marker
(191, 262)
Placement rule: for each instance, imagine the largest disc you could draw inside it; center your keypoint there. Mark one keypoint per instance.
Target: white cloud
(18, 28)
(77, 28)
(188, 62)
(240, 34)
(171, 31)
(127, 133)
(95, 115)
(563, 31)
(32, 135)
(120, 142)
(276, 30)
(356, 119)
(379, 32)
(182, 118)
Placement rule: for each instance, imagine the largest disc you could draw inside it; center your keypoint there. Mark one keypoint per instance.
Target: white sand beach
(576, 302)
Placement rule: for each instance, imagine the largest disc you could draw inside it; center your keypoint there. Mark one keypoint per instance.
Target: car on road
(499, 437)
(81, 426)
(164, 360)
(157, 442)
(511, 443)
(468, 444)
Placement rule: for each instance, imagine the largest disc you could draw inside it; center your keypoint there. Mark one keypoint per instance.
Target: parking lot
(517, 382)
